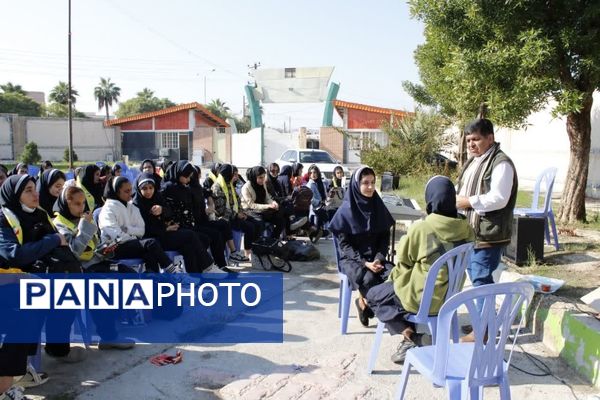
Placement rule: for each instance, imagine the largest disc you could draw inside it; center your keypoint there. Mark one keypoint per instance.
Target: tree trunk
(106, 112)
(462, 149)
(579, 129)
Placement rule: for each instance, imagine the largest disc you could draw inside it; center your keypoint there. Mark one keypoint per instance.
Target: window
(289, 155)
(311, 157)
(169, 140)
(290, 72)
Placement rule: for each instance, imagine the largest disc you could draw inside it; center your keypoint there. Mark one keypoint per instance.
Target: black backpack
(302, 197)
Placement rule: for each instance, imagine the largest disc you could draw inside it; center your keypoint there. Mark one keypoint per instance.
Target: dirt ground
(577, 263)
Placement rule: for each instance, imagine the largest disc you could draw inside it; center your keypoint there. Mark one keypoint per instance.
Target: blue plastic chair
(32, 170)
(547, 178)
(456, 262)
(345, 295)
(237, 239)
(465, 368)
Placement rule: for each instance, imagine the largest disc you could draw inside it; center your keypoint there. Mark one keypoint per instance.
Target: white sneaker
(298, 224)
(14, 393)
(213, 269)
(32, 378)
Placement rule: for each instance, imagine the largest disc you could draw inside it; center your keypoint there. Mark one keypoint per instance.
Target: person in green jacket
(442, 230)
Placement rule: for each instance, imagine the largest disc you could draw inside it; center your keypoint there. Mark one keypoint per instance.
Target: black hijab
(115, 168)
(178, 169)
(157, 177)
(34, 224)
(318, 181)
(440, 196)
(195, 177)
(359, 214)
(87, 181)
(296, 167)
(47, 179)
(226, 171)
(139, 200)
(261, 193)
(15, 170)
(112, 187)
(284, 180)
(62, 207)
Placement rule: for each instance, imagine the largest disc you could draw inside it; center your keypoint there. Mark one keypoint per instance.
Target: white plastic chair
(465, 368)
(456, 262)
(546, 177)
(345, 294)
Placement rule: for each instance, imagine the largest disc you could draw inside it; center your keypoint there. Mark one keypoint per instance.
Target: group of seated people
(386, 291)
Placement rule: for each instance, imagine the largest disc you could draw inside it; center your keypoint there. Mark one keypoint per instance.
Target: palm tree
(60, 94)
(9, 87)
(146, 94)
(106, 93)
(218, 108)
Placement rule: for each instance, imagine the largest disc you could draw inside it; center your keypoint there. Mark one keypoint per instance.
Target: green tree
(218, 107)
(106, 93)
(515, 56)
(412, 143)
(17, 103)
(145, 101)
(31, 155)
(66, 155)
(243, 124)
(62, 111)
(60, 94)
(9, 87)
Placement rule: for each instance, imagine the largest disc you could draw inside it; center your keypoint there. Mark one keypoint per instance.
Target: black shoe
(466, 329)
(363, 314)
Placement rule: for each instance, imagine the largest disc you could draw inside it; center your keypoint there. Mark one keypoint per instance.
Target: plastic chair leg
(340, 299)
(554, 232)
(375, 347)
(401, 390)
(455, 389)
(36, 360)
(504, 389)
(346, 298)
(547, 231)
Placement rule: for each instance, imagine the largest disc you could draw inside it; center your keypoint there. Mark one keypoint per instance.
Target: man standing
(487, 193)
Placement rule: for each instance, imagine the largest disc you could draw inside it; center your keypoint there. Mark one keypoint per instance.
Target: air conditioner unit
(164, 152)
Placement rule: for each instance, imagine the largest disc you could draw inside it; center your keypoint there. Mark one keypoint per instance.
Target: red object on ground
(164, 359)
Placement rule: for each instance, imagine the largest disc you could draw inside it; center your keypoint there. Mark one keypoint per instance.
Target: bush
(31, 155)
(66, 155)
(413, 142)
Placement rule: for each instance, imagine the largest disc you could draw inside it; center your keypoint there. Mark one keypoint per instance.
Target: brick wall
(332, 141)
(177, 121)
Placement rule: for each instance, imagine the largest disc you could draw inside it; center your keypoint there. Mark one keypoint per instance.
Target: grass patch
(581, 246)
(413, 187)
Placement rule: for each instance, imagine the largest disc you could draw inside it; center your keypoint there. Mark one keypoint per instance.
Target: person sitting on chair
(362, 228)
(442, 230)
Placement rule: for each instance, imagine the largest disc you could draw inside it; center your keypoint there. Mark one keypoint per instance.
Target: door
(184, 146)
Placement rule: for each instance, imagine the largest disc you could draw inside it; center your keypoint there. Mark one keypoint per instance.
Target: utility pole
(70, 123)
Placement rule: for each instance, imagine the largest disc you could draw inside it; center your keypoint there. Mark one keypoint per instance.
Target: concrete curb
(566, 329)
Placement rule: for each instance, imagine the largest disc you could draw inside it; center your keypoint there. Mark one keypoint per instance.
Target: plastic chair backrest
(32, 170)
(96, 216)
(547, 177)
(456, 262)
(69, 175)
(487, 359)
(337, 253)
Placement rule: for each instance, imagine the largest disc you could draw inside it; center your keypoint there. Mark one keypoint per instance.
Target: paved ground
(314, 362)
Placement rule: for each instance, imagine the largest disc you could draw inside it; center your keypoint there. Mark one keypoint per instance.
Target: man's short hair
(483, 126)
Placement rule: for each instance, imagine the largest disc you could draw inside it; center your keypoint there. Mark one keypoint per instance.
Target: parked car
(325, 161)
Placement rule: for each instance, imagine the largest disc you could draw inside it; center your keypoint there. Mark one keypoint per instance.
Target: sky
(171, 46)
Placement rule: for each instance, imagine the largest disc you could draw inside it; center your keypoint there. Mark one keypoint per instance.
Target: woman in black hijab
(19, 169)
(116, 170)
(273, 185)
(157, 217)
(180, 197)
(425, 241)
(149, 166)
(362, 229)
(258, 204)
(49, 187)
(285, 181)
(89, 181)
(121, 221)
(35, 238)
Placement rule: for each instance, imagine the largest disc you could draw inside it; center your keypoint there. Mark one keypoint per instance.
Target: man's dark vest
(494, 228)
